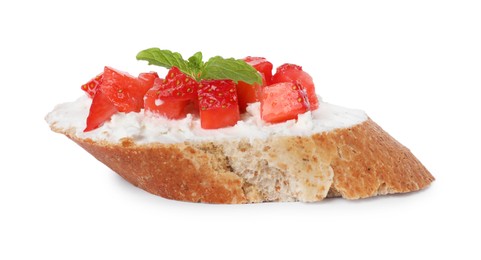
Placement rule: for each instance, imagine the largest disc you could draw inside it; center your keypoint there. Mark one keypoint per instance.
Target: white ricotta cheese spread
(148, 128)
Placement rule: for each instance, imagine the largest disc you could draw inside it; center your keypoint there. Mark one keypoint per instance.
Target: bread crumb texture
(356, 162)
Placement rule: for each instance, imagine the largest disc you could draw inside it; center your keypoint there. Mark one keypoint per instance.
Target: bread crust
(367, 161)
(356, 162)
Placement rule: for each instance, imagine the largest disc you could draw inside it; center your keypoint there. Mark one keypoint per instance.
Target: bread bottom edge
(357, 162)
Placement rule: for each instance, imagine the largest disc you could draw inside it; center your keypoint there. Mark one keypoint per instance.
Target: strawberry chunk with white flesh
(283, 101)
(290, 73)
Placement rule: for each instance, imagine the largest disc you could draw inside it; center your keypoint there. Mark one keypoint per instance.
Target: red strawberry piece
(290, 73)
(101, 110)
(147, 80)
(248, 93)
(262, 65)
(91, 87)
(124, 91)
(116, 91)
(172, 96)
(170, 108)
(283, 101)
(218, 104)
(178, 86)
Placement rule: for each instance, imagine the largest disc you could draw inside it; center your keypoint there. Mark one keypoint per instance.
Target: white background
(414, 66)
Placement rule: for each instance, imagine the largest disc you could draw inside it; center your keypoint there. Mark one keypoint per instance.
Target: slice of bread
(357, 161)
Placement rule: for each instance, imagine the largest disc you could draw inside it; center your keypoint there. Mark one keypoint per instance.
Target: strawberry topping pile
(218, 90)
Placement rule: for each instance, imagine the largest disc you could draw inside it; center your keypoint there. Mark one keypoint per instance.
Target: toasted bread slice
(355, 161)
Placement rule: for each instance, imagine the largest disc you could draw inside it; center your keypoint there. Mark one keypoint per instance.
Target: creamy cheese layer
(148, 128)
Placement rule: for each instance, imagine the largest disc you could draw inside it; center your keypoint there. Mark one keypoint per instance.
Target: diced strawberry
(171, 96)
(114, 91)
(247, 93)
(101, 110)
(91, 86)
(262, 65)
(170, 108)
(283, 101)
(124, 91)
(147, 79)
(290, 73)
(218, 104)
(178, 86)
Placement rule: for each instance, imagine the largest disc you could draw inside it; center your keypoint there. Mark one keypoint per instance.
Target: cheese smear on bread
(146, 128)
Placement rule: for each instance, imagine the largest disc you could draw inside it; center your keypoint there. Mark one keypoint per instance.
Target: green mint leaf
(196, 64)
(164, 58)
(236, 70)
(215, 68)
(196, 60)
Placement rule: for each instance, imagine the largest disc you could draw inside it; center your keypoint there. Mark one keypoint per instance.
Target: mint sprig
(163, 58)
(215, 68)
